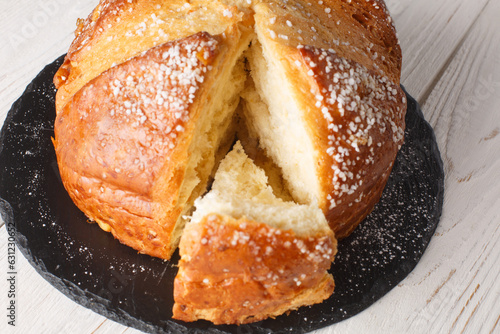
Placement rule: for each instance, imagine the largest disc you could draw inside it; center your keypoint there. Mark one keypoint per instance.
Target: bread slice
(247, 255)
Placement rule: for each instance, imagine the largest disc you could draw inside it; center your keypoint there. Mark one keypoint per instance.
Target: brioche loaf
(152, 95)
(148, 90)
(247, 255)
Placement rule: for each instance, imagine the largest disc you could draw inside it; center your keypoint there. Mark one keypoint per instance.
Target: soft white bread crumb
(241, 190)
(275, 118)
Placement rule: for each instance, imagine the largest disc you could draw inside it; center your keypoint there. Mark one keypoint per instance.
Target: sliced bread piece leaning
(247, 255)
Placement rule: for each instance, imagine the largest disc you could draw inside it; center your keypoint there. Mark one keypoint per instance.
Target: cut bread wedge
(247, 255)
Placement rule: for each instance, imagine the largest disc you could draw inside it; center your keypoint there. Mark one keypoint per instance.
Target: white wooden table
(451, 66)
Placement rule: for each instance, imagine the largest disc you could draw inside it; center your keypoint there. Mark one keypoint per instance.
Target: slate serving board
(92, 268)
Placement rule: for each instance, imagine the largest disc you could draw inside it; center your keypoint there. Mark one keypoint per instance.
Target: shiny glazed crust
(240, 271)
(343, 62)
(118, 30)
(116, 151)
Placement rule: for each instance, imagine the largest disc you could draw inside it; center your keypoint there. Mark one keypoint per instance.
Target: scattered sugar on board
(392, 235)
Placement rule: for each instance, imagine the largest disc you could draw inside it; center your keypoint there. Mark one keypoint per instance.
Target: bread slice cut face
(153, 93)
(247, 255)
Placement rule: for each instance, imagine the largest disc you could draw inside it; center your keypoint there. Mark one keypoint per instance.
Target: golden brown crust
(358, 120)
(343, 61)
(239, 271)
(118, 30)
(121, 141)
(359, 30)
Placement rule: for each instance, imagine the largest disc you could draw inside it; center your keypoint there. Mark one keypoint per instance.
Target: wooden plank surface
(430, 33)
(451, 65)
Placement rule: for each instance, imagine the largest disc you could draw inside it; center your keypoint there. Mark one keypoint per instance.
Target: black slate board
(95, 270)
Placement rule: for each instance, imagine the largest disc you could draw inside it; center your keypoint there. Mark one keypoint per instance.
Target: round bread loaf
(148, 93)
